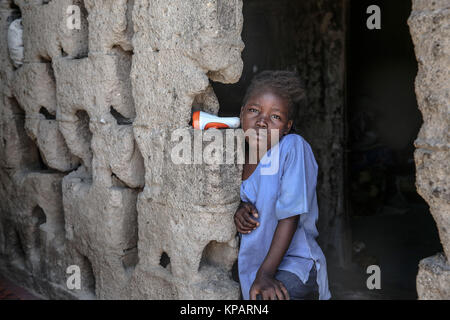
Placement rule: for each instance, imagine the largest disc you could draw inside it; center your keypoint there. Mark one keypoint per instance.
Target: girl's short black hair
(287, 84)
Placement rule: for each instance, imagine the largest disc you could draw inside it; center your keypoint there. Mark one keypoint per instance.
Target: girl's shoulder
(295, 146)
(293, 140)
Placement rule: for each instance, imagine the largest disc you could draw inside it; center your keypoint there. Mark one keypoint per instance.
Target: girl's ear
(289, 127)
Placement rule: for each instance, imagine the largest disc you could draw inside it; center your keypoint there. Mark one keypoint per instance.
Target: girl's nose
(261, 122)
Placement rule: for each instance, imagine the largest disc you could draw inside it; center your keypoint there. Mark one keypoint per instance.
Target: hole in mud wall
(13, 53)
(33, 157)
(118, 49)
(42, 165)
(120, 119)
(87, 277)
(83, 119)
(78, 57)
(45, 59)
(63, 53)
(13, 36)
(219, 255)
(83, 130)
(39, 218)
(165, 260)
(205, 101)
(47, 114)
(200, 102)
(235, 271)
(116, 182)
(50, 71)
(83, 10)
(80, 32)
(15, 13)
(16, 109)
(2, 237)
(207, 253)
(130, 259)
(18, 255)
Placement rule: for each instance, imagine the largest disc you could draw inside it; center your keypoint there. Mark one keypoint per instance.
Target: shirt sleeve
(298, 180)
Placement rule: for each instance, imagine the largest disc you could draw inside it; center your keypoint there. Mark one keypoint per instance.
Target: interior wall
(383, 115)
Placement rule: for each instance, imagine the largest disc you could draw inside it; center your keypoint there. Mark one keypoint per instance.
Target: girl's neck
(248, 167)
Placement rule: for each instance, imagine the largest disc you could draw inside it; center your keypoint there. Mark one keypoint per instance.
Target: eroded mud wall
(86, 177)
(430, 28)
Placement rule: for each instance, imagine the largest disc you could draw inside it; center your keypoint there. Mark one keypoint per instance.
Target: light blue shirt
(281, 187)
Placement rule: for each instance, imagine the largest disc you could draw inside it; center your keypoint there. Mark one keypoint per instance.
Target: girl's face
(265, 110)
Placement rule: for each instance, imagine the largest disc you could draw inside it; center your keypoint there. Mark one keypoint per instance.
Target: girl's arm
(265, 283)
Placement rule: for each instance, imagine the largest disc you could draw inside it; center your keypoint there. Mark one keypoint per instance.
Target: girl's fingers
(245, 222)
(242, 217)
(264, 295)
(250, 221)
(251, 209)
(253, 293)
(273, 295)
(279, 294)
(237, 224)
(247, 217)
(284, 290)
(241, 228)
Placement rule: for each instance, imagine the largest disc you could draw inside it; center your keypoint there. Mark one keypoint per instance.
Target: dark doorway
(391, 224)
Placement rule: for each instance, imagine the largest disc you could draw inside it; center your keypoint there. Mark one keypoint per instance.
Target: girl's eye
(276, 117)
(252, 110)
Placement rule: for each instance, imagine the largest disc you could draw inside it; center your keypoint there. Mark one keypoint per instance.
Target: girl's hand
(242, 218)
(269, 288)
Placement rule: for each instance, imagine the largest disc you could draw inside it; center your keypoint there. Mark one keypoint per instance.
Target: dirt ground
(396, 239)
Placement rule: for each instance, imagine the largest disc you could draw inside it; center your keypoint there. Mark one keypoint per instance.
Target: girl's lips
(261, 135)
(257, 134)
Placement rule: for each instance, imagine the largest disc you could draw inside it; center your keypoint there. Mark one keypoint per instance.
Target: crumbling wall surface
(34, 156)
(185, 211)
(86, 174)
(430, 28)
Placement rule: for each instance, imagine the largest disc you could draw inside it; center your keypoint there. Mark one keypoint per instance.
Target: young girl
(279, 257)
